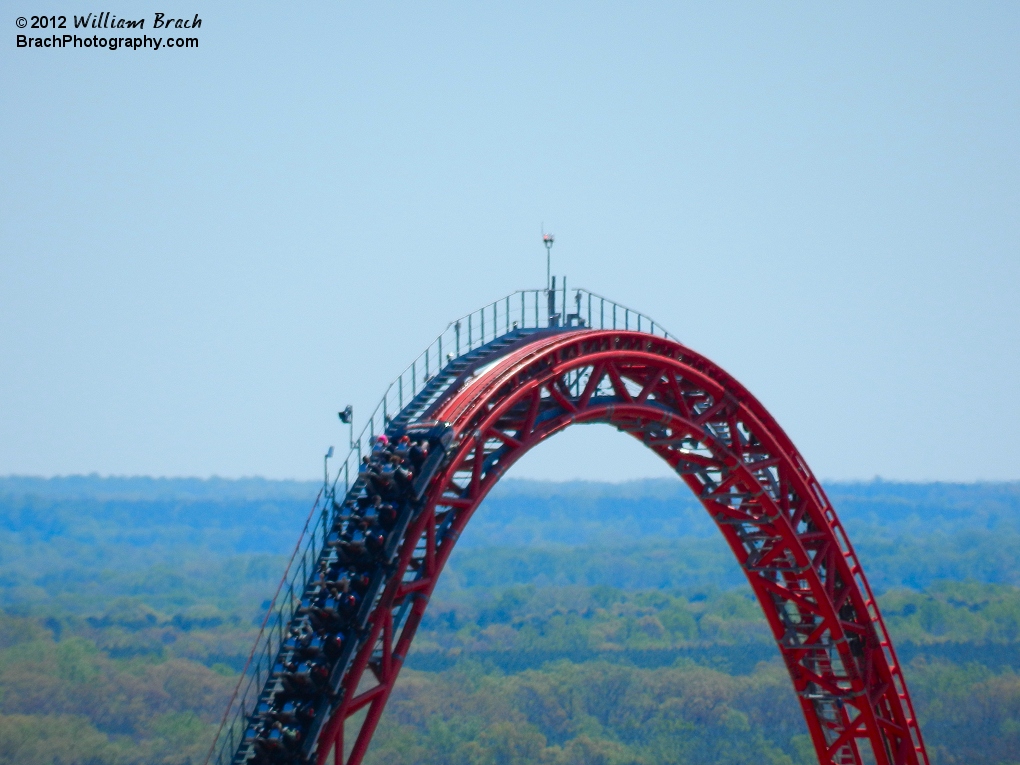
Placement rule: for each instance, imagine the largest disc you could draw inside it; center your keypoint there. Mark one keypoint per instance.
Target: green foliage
(75, 701)
(955, 611)
(52, 739)
(132, 603)
(583, 621)
(591, 713)
(70, 702)
(968, 714)
(568, 620)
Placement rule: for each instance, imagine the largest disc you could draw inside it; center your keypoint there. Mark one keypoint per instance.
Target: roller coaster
(493, 385)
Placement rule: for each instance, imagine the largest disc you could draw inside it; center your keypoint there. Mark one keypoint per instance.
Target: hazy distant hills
(254, 513)
(57, 534)
(573, 513)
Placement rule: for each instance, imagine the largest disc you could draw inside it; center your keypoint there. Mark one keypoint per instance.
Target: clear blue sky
(205, 253)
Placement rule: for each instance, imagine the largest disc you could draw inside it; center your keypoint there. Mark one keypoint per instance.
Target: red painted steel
(745, 470)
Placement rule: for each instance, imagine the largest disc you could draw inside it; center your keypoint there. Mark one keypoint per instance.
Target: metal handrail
(523, 309)
(262, 658)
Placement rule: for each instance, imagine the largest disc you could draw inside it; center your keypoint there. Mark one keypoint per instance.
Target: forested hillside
(578, 623)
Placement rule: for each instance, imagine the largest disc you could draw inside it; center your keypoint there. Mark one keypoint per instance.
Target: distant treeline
(518, 513)
(85, 539)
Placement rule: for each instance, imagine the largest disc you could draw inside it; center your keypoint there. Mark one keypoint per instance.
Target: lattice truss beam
(768, 506)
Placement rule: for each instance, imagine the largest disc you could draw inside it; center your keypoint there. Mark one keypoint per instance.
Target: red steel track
(746, 472)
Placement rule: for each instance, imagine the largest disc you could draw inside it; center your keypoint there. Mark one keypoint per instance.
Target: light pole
(547, 240)
(347, 418)
(325, 472)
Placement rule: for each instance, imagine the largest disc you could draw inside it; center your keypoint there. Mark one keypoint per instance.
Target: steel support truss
(774, 515)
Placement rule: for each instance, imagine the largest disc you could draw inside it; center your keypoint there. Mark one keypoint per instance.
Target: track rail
(723, 444)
